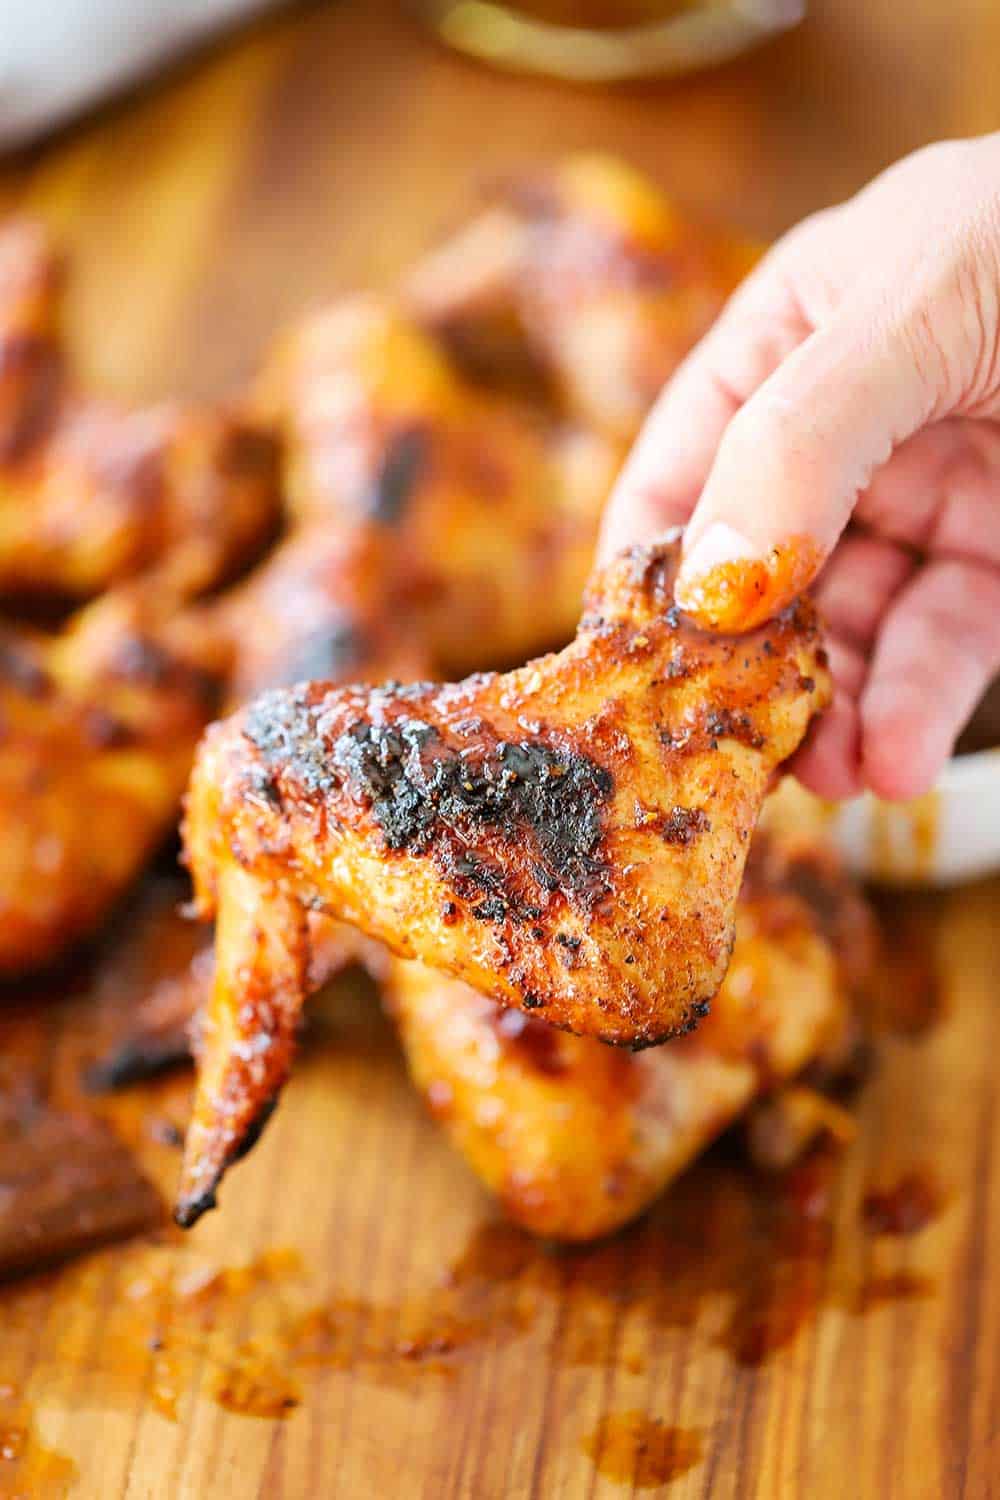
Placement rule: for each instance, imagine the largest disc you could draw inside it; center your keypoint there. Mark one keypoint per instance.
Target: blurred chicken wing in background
(584, 283)
(100, 723)
(92, 492)
(489, 510)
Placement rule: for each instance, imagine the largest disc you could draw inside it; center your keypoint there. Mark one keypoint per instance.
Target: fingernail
(716, 580)
(727, 583)
(719, 544)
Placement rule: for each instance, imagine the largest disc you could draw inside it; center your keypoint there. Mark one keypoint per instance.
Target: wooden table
(394, 1339)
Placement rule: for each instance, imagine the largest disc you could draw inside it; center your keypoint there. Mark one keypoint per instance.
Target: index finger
(668, 466)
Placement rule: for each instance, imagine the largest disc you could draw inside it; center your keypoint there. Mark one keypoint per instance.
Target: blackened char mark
(375, 760)
(137, 1059)
(329, 654)
(422, 792)
(283, 727)
(20, 670)
(399, 473)
(189, 1210)
(723, 723)
(142, 660)
(682, 825)
(254, 1131)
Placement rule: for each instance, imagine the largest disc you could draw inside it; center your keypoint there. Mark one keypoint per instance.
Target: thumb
(791, 465)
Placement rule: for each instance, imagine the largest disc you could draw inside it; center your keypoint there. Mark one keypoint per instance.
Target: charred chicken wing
(569, 837)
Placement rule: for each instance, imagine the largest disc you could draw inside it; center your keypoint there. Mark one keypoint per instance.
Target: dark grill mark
(421, 791)
(375, 760)
(283, 728)
(19, 670)
(495, 909)
(399, 473)
(722, 723)
(142, 660)
(329, 654)
(682, 825)
(569, 949)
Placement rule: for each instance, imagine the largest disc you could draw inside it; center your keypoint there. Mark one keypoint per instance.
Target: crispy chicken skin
(569, 837)
(92, 493)
(489, 512)
(575, 1138)
(587, 279)
(99, 729)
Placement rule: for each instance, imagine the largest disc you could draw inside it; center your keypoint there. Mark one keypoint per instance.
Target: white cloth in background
(59, 56)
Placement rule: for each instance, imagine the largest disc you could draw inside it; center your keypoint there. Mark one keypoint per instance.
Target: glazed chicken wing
(99, 730)
(487, 512)
(569, 837)
(92, 493)
(576, 1138)
(587, 281)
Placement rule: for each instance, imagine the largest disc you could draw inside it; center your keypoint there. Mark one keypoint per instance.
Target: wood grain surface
(356, 1321)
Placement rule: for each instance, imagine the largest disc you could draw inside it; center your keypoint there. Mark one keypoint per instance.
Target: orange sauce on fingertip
(743, 593)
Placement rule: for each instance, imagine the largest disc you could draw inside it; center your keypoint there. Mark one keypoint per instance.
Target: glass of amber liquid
(607, 40)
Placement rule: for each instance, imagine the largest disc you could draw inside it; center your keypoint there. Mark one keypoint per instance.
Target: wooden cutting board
(357, 1321)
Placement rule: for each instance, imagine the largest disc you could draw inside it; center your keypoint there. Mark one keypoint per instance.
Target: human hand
(853, 377)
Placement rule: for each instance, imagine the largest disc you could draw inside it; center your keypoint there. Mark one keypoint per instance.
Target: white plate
(948, 835)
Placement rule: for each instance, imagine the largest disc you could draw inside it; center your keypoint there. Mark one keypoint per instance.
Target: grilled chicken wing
(92, 493)
(588, 280)
(576, 1138)
(99, 730)
(569, 837)
(489, 513)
